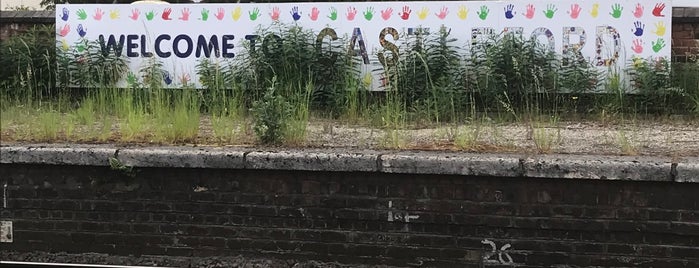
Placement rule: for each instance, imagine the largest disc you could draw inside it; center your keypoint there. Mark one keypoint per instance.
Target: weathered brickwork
(351, 217)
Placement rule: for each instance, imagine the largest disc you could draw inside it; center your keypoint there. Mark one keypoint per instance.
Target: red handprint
(64, 31)
(98, 14)
(637, 46)
(658, 10)
(220, 13)
(185, 14)
(405, 15)
(638, 12)
(351, 12)
(386, 13)
(166, 14)
(134, 14)
(442, 13)
(574, 11)
(314, 13)
(275, 13)
(530, 11)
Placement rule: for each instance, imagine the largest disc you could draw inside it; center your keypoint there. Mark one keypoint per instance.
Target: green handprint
(483, 14)
(82, 15)
(550, 11)
(80, 47)
(150, 15)
(254, 14)
(333, 13)
(204, 14)
(616, 11)
(369, 13)
(131, 78)
(659, 45)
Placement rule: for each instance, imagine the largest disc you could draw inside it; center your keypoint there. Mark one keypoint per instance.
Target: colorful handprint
(295, 13)
(616, 10)
(185, 14)
(220, 13)
(65, 14)
(386, 13)
(369, 13)
(405, 15)
(442, 13)
(422, 14)
(575, 10)
(166, 14)
(658, 10)
(64, 31)
(638, 12)
(483, 13)
(81, 30)
(660, 28)
(594, 12)
(204, 14)
(167, 78)
(131, 79)
(275, 14)
(237, 13)
(184, 79)
(134, 14)
(64, 44)
(637, 46)
(82, 15)
(254, 14)
(638, 28)
(314, 14)
(150, 15)
(509, 13)
(114, 14)
(463, 12)
(351, 12)
(658, 45)
(98, 14)
(530, 11)
(550, 11)
(333, 14)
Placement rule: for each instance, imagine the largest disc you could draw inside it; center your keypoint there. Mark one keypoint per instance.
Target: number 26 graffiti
(502, 256)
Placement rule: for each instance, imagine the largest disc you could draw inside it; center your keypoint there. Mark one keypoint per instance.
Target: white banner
(604, 32)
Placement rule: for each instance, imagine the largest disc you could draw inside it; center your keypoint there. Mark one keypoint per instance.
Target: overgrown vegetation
(291, 76)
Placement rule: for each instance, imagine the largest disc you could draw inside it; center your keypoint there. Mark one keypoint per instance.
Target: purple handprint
(639, 28)
(295, 13)
(65, 15)
(166, 78)
(81, 30)
(509, 14)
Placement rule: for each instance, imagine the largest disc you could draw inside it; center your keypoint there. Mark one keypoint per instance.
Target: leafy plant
(271, 114)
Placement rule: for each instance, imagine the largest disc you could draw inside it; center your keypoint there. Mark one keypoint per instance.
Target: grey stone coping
(594, 167)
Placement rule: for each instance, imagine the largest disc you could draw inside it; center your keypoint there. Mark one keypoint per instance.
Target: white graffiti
(502, 256)
(400, 216)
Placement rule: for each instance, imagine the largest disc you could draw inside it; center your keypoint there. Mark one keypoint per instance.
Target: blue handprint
(509, 14)
(295, 13)
(81, 30)
(639, 28)
(65, 15)
(167, 78)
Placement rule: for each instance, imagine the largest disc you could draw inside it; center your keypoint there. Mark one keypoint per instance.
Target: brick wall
(349, 217)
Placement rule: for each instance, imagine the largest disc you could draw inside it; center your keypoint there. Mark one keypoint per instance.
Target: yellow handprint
(114, 14)
(64, 44)
(660, 28)
(423, 13)
(595, 10)
(367, 80)
(236, 13)
(463, 12)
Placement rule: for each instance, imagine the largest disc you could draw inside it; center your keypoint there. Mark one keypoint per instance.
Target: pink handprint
(64, 31)
(530, 11)
(351, 12)
(442, 13)
(386, 13)
(405, 15)
(134, 14)
(575, 11)
(638, 12)
(314, 13)
(220, 13)
(637, 46)
(98, 14)
(275, 13)
(185, 14)
(166, 14)
(184, 79)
